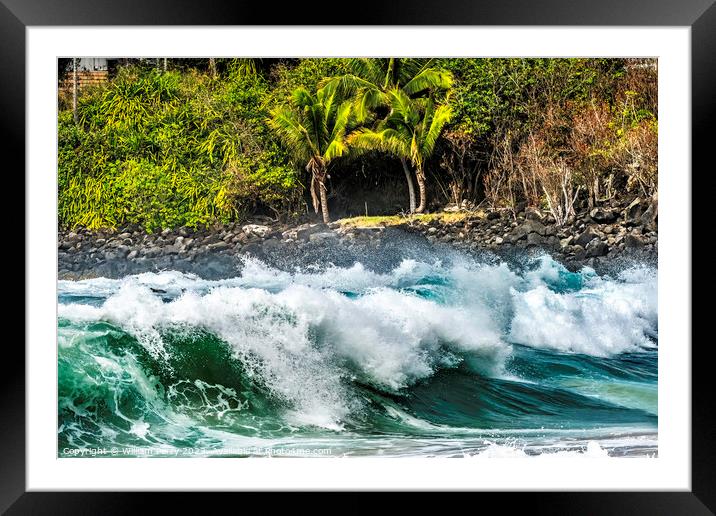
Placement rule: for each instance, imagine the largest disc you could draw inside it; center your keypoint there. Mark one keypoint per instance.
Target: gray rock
(596, 248)
(633, 242)
(535, 226)
(586, 237)
(306, 230)
(566, 242)
(534, 239)
(549, 231)
(218, 246)
(519, 233)
(634, 211)
(256, 230)
(254, 249)
(322, 237)
(648, 218)
(533, 214)
(603, 215)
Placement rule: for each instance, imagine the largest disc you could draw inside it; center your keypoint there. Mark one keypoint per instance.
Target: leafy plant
(313, 129)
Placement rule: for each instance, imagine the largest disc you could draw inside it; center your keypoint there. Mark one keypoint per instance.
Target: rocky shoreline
(621, 230)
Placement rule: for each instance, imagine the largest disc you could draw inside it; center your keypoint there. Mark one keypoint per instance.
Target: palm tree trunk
(411, 189)
(212, 66)
(420, 176)
(324, 199)
(314, 197)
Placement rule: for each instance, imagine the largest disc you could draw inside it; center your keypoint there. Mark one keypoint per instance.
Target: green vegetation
(410, 132)
(395, 85)
(171, 149)
(313, 129)
(212, 141)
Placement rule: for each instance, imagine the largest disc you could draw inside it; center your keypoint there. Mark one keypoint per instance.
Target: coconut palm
(372, 79)
(313, 128)
(409, 132)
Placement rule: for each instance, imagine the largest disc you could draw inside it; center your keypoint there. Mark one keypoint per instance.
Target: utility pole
(75, 84)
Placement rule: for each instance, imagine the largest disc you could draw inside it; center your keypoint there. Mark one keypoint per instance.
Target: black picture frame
(700, 15)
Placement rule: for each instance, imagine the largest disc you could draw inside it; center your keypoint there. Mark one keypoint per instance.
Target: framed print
(443, 251)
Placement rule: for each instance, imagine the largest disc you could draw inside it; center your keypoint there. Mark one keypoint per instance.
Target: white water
(295, 331)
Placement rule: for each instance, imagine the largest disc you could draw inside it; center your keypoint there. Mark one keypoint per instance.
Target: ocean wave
(166, 357)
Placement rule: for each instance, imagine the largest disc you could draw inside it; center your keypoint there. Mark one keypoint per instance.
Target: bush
(166, 149)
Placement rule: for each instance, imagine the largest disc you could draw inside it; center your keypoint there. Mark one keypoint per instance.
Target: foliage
(410, 131)
(313, 129)
(171, 149)
(188, 147)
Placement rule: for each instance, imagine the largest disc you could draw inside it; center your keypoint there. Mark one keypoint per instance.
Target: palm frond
(429, 79)
(438, 119)
(370, 69)
(409, 67)
(402, 108)
(341, 121)
(301, 98)
(367, 102)
(386, 140)
(294, 135)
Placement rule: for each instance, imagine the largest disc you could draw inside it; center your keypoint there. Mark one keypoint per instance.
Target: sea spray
(461, 347)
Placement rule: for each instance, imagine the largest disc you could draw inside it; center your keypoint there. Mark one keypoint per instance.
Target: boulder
(323, 236)
(584, 239)
(603, 215)
(218, 246)
(633, 212)
(256, 230)
(529, 226)
(533, 214)
(306, 230)
(633, 241)
(596, 248)
(535, 239)
(535, 226)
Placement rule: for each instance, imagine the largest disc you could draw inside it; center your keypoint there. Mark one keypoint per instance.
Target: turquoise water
(427, 359)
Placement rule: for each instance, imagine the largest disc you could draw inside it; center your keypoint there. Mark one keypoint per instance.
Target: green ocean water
(459, 358)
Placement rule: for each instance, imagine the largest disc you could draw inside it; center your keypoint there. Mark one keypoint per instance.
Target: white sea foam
(603, 318)
(591, 450)
(295, 340)
(296, 331)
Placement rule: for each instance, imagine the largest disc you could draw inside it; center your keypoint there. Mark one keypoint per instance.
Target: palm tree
(409, 132)
(372, 79)
(313, 129)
